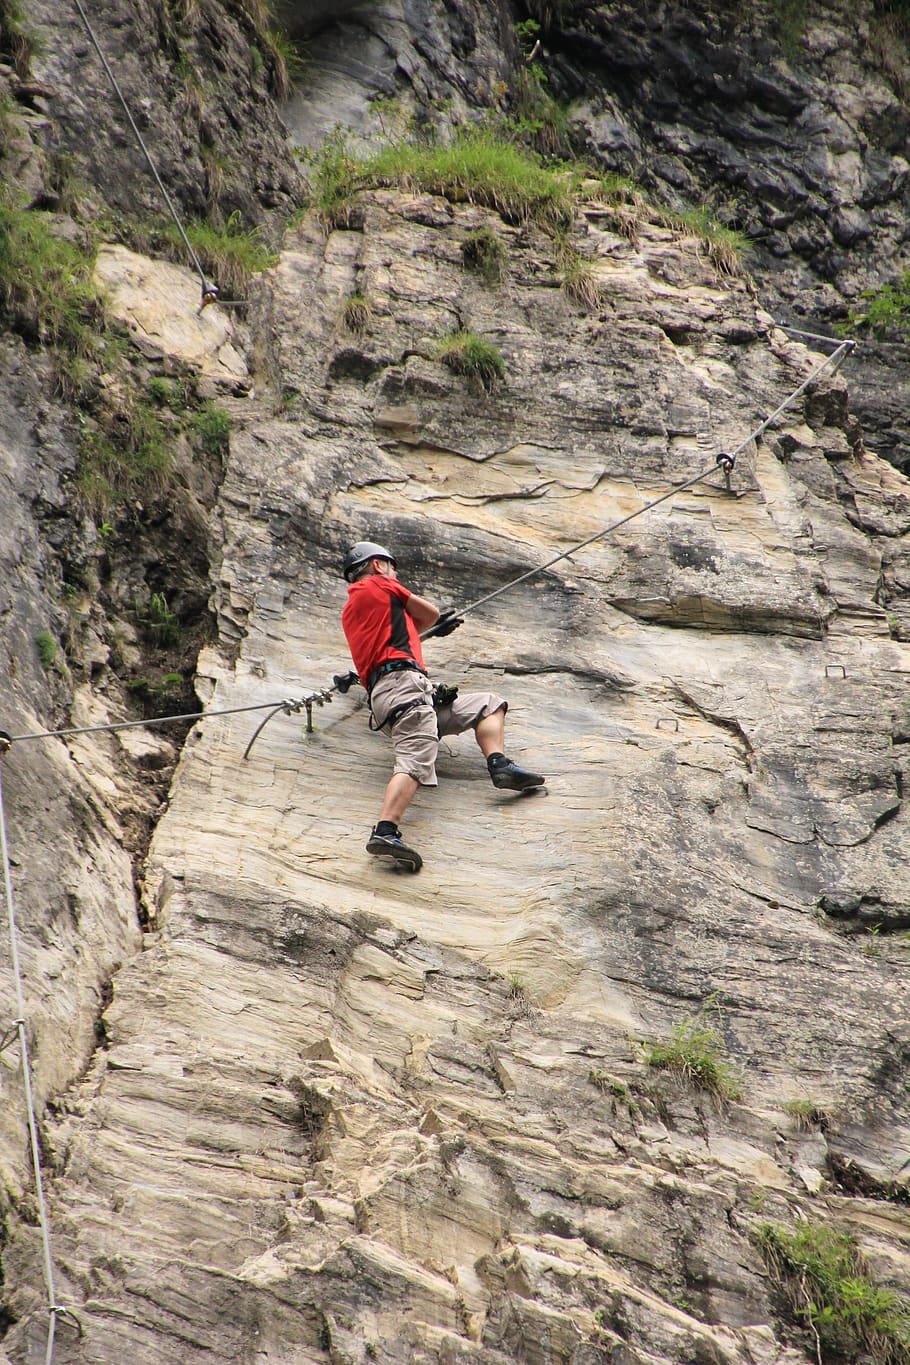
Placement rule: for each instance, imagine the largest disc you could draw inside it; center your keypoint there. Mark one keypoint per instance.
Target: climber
(384, 623)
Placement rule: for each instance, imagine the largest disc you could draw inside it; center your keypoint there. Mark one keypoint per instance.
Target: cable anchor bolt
(60, 1310)
(725, 464)
(308, 704)
(210, 293)
(5, 742)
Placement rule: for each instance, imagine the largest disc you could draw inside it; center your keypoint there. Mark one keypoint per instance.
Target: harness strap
(397, 712)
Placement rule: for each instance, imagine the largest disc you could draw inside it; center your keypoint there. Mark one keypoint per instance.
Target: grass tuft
(212, 429)
(576, 275)
(724, 246)
(46, 289)
(47, 649)
(230, 255)
(333, 173)
(806, 1114)
(357, 312)
(485, 253)
(467, 353)
(827, 1284)
(696, 1054)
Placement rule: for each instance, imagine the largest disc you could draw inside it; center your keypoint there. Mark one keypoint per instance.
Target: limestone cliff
(315, 1111)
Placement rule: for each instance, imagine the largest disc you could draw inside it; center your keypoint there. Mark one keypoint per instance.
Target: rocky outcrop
(343, 1114)
(798, 139)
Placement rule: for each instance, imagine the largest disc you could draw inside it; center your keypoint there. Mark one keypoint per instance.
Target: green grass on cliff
(469, 354)
(696, 1054)
(478, 167)
(829, 1289)
(230, 254)
(486, 167)
(46, 289)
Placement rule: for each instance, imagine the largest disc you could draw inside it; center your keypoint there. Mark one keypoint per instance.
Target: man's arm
(423, 613)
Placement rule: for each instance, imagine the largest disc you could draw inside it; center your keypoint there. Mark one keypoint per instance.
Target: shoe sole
(403, 857)
(517, 784)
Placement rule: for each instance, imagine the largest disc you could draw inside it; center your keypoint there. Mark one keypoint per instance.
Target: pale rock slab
(159, 303)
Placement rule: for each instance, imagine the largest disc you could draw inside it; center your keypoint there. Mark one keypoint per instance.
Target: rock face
(199, 80)
(343, 1114)
(800, 139)
(312, 1110)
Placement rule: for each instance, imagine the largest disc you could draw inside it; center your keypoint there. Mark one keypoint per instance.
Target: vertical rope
(27, 1086)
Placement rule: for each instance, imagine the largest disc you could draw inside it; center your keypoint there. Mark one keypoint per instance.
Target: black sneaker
(393, 846)
(510, 777)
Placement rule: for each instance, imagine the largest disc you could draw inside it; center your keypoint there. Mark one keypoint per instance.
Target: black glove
(448, 621)
(345, 681)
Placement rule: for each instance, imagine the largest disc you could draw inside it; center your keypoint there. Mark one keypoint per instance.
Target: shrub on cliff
(887, 309)
(829, 1289)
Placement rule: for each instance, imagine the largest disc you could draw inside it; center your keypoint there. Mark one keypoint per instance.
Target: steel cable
(19, 1023)
(209, 289)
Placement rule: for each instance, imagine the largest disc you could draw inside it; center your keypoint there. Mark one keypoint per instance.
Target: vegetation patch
(333, 173)
(887, 310)
(807, 1114)
(478, 167)
(609, 1085)
(696, 1053)
(725, 246)
(47, 294)
(484, 252)
(212, 428)
(540, 118)
(230, 254)
(469, 354)
(357, 312)
(790, 22)
(576, 276)
(47, 649)
(17, 42)
(828, 1287)
(124, 451)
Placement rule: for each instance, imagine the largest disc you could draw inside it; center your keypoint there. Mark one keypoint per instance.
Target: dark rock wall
(200, 83)
(803, 146)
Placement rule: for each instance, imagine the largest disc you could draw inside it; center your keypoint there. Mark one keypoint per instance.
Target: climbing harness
(210, 291)
(393, 666)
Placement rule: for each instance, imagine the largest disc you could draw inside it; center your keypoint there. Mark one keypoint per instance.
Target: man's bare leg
(490, 733)
(398, 796)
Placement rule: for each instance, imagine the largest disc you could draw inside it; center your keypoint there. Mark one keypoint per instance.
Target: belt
(392, 666)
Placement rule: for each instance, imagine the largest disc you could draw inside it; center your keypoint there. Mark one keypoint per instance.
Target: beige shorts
(416, 734)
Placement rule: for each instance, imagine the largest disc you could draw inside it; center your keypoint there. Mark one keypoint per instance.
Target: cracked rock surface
(344, 1114)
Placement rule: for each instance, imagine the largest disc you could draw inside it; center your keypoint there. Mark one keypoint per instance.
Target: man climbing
(383, 622)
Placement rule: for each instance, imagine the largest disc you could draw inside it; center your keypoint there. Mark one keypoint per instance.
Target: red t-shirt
(376, 625)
